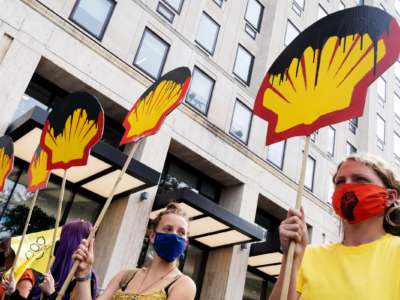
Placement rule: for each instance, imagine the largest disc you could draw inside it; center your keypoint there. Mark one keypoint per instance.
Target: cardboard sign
(162, 97)
(322, 77)
(72, 128)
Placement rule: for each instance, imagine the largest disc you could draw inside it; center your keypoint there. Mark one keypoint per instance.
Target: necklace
(140, 290)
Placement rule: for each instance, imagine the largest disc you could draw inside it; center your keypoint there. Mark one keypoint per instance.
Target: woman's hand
(84, 254)
(294, 228)
(9, 284)
(47, 286)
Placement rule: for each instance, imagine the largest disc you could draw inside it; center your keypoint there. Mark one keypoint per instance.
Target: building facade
(212, 143)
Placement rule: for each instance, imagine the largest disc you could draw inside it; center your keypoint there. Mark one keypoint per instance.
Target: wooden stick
(98, 221)
(58, 217)
(24, 232)
(292, 245)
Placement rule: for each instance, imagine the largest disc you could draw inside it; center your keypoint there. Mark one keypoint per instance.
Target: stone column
(18, 62)
(119, 239)
(226, 268)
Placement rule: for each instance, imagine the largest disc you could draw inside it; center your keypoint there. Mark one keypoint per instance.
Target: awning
(211, 225)
(104, 163)
(266, 257)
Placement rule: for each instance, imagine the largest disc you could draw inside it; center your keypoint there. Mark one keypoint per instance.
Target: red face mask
(358, 202)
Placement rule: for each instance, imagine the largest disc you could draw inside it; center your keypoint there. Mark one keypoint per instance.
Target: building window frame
(203, 47)
(297, 7)
(244, 141)
(175, 9)
(286, 32)
(105, 23)
(282, 159)
(205, 112)
(350, 148)
(260, 16)
(396, 107)
(166, 12)
(164, 58)
(331, 146)
(246, 81)
(219, 2)
(353, 125)
(396, 143)
(323, 10)
(380, 140)
(314, 163)
(381, 98)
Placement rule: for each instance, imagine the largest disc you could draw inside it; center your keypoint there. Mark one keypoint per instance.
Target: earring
(394, 208)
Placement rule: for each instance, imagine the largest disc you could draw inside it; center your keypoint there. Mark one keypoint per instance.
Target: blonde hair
(171, 208)
(385, 172)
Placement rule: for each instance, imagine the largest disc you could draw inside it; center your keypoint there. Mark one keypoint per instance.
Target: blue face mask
(169, 246)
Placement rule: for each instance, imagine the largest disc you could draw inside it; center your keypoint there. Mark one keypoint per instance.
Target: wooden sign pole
(292, 245)
(99, 219)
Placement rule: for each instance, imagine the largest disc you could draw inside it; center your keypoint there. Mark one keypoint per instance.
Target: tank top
(161, 294)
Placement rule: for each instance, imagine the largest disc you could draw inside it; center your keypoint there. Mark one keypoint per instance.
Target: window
(321, 12)
(243, 64)
(353, 124)
(396, 107)
(291, 33)
(350, 149)
(177, 174)
(241, 122)
(166, 12)
(254, 13)
(331, 140)
(151, 54)
(396, 147)
(298, 6)
(219, 2)
(93, 16)
(200, 91)
(381, 87)
(207, 34)
(313, 136)
(380, 131)
(397, 69)
(276, 154)
(310, 170)
(176, 5)
(341, 5)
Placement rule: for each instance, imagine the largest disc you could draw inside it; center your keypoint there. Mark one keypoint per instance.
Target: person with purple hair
(48, 284)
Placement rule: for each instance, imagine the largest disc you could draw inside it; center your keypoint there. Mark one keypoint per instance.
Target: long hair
(72, 234)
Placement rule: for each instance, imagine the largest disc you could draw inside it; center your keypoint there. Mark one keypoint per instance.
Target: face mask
(169, 246)
(358, 202)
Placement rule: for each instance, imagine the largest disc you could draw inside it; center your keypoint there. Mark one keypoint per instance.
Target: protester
(33, 284)
(366, 264)
(162, 280)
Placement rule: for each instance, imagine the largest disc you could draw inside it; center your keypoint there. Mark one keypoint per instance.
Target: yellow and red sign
(72, 128)
(322, 77)
(6, 159)
(38, 174)
(150, 110)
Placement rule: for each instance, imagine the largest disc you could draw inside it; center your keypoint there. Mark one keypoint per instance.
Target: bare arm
(183, 289)
(293, 228)
(84, 254)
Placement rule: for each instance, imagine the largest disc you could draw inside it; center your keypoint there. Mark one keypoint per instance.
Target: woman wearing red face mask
(366, 264)
(162, 280)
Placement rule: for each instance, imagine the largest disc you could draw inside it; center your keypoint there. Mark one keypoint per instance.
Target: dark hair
(384, 171)
(171, 208)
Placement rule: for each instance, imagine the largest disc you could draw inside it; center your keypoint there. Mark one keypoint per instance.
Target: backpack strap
(126, 278)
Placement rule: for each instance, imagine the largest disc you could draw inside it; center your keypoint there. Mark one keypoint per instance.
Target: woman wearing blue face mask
(162, 280)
